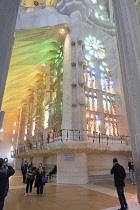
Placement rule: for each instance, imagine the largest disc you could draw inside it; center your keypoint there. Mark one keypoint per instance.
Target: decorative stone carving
(74, 96)
(80, 37)
(73, 41)
(80, 41)
(80, 57)
(73, 63)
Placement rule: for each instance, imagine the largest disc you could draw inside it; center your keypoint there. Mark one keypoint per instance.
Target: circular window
(95, 47)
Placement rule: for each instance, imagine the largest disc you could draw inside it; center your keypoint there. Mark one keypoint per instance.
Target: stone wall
(101, 164)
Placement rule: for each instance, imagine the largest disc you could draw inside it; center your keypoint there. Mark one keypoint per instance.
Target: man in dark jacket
(5, 172)
(24, 167)
(119, 176)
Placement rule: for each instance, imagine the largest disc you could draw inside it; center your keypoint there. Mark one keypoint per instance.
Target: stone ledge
(87, 147)
(76, 147)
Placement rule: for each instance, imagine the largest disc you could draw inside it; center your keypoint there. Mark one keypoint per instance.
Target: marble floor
(68, 197)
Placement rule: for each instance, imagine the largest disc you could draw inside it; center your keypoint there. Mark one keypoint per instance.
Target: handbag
(44, 179)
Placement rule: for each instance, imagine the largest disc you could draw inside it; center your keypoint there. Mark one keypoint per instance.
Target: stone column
(8, 16)
(72, 168)
(128, 33)
(74, 112)
(111, 11)
(17, 163)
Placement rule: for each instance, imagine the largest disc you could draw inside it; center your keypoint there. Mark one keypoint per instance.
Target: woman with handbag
(38, 181)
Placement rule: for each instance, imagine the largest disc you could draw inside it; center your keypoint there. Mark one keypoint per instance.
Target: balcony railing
(69, 135)
(30, 9)
(38, 7)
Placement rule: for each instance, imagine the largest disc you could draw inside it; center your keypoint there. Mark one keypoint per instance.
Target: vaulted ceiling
(31, 50)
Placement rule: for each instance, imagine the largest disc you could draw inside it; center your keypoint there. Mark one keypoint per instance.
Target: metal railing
(69, 135)
(35, 8)
(38, 7)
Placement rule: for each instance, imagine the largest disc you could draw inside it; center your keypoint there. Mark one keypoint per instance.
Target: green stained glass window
(59, 56)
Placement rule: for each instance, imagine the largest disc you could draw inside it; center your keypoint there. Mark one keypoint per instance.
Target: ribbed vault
(32, 49)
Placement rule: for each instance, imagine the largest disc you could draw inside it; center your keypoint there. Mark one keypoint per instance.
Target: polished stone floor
(68, 197)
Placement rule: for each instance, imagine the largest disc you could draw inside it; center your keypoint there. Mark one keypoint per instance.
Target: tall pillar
(72, 168)
(74, 112)
(8, 16)
(128, 33)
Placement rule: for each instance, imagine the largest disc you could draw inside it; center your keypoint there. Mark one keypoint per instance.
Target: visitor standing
(131, 170)
(119, 176)
(30, 178)
(24, 167)
(38, 180)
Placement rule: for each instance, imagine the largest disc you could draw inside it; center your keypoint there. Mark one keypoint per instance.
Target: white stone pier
(8, 16)
(128, 33)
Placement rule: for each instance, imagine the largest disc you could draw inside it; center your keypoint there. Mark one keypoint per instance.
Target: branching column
(128, 33)
(77, 83)
(8, 16)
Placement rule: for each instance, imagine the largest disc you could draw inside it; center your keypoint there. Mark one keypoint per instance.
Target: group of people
(31, 175)
(119, 176)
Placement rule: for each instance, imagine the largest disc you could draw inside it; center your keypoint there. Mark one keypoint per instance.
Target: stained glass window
(86, 100)
(61, 107)
(95, 104)
(107, 128)
(90, 103)
(46, 116)
(113, 107)
(91, 64)
(103, 66)
(95, 48)
(92, 84)
(115, 129)
(92, 116)
(109, 107)
(111, 129)
(92, 126)
(95, 65)
(87, 126)
(96, 117)
(106, 118)
(104, 105)
(59, 56)
(106, 84)
(87, 114)
(103, 83)
(88, 80)
(98, 126)
(111, 86)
